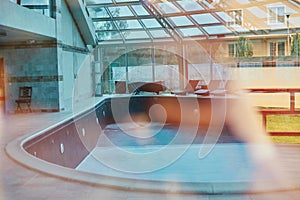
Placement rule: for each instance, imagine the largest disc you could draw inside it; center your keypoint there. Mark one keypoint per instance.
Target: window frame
(235, 21)
(277, 20)
(276, 42)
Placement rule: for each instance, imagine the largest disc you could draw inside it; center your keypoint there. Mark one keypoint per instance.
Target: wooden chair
(24, 98)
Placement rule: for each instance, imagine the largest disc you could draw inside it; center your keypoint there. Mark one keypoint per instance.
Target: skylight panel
(96, 12)
(159, 33)
(104, 25)
(121, 1)
(131, 24)
(136, 35)
(225, 16)
(181, 21)
(216, 29)
(168, 7)
(140, 10)
(109, 35)
(190, 32)
(151, 23)
(98, 1)
(205, 18)
(208, 4)
(190, 5)
(120, 11)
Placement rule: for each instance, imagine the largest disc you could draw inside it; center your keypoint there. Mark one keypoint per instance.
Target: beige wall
(269, 77)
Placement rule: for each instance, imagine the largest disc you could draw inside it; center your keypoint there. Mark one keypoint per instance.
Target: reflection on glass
(131, 24)
(276, 14)
(109, 35)
(104, 25)
(136, 35)
(121, 11)
(97, 12)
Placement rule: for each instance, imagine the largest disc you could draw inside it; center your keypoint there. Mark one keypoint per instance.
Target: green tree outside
(244, 48)
(295, 49)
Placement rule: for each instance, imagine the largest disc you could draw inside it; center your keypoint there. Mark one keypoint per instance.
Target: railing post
(292, 101)
(264, 120)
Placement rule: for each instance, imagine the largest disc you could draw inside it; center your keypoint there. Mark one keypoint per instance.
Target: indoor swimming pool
(156, 143)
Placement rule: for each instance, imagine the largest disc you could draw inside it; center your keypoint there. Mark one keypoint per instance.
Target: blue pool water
(127, 152)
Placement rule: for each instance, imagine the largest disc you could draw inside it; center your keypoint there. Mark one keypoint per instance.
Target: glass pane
(190, 5)
(199, 63)
(151, 23)
(272, 49)
(118, 1)
(35, 2)
(105, 25)
(122, 24)
(97, 12)
(280, 13)
(97, 1)
(181, 21)
(216, 29)
(224, 16)
(140, 10)
(168, 74)
(205, 18)
(135, 35)
(159, 33)
(140, 73)
(168, 7)
(120, 11)
(231, 50)
(190, 31)
(109, 35)
(272, 15)
(139, 56)
(281, 48)
(131, 24)
(206, 2)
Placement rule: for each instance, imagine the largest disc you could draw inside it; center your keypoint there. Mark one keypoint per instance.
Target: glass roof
(162, 20)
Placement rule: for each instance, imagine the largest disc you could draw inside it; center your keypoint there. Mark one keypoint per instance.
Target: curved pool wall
(58, 150)
(58, 144)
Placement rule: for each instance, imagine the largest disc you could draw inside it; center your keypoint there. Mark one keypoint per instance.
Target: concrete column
(58, 16)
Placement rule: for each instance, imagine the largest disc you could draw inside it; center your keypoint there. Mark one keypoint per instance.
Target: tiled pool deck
(19, 182)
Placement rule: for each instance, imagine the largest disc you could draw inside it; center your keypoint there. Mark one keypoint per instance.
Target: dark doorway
(2, 88)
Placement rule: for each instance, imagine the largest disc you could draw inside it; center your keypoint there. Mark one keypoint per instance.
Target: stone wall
(49, 64)
(35, 67)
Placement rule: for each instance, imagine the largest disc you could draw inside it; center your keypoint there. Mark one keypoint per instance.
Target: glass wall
(41, 6)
